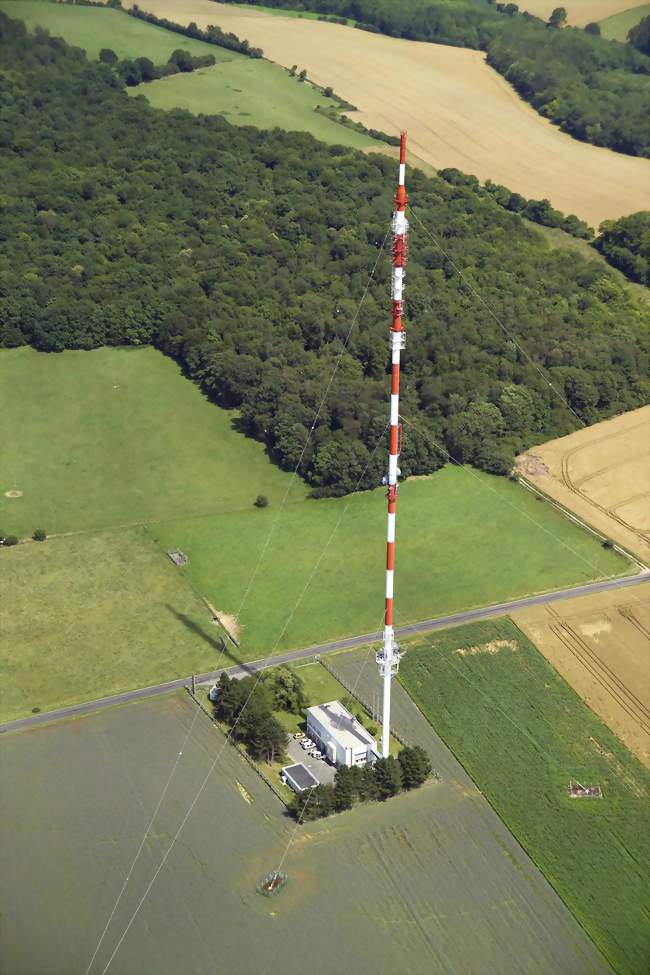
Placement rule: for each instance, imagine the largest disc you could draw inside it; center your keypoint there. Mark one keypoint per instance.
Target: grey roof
(341, 725)
(300, 776)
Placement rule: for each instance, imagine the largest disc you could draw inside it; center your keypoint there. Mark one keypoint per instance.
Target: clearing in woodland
(428, 882)
(457, 110)
(616, 27)
(523, 735)
(600, 644)
(246, 91)
(602, 473)
(114, 613)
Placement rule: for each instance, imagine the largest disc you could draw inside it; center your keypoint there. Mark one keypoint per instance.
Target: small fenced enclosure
(272, 884)
(578, 791)
(178, 558)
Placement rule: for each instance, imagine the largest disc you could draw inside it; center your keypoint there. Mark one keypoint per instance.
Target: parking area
(322, 771)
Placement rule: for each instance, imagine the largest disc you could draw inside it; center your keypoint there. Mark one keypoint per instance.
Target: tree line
(245, 255)
(211, 34)
(595, 89)
(626, 244)
(135, 71)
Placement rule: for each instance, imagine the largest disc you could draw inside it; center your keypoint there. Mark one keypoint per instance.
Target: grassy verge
(522, 734)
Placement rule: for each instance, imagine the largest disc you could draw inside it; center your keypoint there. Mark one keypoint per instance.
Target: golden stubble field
(457, 110)
(602, 473)
(600, 644)
(579, 12)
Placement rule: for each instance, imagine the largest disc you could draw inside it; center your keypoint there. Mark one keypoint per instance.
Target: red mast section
(389, 656)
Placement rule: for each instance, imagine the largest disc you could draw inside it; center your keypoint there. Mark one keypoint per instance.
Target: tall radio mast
(389, 656)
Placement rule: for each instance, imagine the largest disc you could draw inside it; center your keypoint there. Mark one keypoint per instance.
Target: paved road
(241, 670)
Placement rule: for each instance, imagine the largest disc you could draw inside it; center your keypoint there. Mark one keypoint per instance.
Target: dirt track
(579, 12)
(602, 473)
(458, 111)
(600, 644)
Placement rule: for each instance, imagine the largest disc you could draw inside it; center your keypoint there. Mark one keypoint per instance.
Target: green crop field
(246, 91)
(616, 28)
(118, 439)
(93, 28)
(427, 882)
(253, 92)
(522, 734)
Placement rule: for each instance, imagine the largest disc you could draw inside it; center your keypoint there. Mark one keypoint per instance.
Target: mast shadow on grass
(218, 644)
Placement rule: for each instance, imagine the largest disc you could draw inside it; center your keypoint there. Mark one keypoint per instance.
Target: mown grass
(93, 28)
(616, 28)
(118, 436)
(314, 571)
(522, 733)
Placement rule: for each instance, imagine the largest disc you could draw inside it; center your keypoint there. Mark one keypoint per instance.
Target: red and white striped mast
(389, 656)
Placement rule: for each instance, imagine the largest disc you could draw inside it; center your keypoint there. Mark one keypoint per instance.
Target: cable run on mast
(388, 657)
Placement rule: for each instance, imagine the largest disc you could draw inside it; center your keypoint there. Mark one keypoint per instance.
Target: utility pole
(389, 656)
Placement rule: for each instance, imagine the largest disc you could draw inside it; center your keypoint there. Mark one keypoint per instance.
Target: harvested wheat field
(602, 473)
(457, 110)
(600, 644)
(579, 12)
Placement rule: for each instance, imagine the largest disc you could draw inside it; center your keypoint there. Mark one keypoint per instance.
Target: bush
(39, 535)
(10, 540)
(608, 543)
(261, 501)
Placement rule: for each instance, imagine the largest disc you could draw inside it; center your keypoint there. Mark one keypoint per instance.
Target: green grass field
(522, 734)
(428, 882)
(91, 615)
(616, 28)
(93, 28)
(253, 92)
(246, 91)
(117, 438)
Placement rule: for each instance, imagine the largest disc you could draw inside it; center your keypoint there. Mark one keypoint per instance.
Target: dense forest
(245, 254)
(626, 244)
(595, 89)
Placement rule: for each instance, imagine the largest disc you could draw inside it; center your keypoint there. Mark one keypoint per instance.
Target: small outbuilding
(339, 735)
(298, 777)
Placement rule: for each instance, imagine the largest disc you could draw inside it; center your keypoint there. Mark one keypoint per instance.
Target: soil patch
(494, 646)
(13, 494)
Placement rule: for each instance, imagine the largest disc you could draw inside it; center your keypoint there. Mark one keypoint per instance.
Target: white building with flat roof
(338, 733)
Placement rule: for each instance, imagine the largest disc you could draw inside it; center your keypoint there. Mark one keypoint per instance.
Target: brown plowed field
(579, 12)
(457, 110)
(600, 644)
(602, 473)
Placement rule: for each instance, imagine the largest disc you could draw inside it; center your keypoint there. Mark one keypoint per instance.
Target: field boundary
(522, 480)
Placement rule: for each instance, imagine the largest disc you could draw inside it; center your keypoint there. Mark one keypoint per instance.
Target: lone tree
(593, 28)
(261, 501)
(415, 765)
(303, 75)
(39, 535)
(557, 18)
(639, 36)
(287, 688)
(108, 56)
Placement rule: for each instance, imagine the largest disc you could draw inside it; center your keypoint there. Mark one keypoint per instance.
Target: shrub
(39, 535)
(10, 540)
(261, 501)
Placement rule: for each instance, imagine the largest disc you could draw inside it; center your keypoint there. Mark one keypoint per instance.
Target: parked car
(298, 735)
(306, 743)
